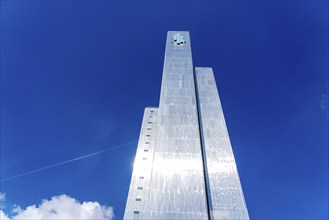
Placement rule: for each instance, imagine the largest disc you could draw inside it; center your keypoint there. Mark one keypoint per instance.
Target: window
(150, 122)
(138, 199)
(148, 135)
(146, 150)
(147, 142)
(136, 212)
(140, 188)
(144, 158)
(141, 177)
(148, 128)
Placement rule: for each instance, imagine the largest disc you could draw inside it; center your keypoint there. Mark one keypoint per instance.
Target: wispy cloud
(66, 161)
(2, 197)
(324, 102)
(2, 200)
(61, 207)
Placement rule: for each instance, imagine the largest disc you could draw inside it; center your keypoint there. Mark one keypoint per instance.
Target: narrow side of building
(227, 199)
(139, 190)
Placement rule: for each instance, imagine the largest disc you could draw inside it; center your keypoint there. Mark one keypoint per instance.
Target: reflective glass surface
(227, 200)
(141, 176)
(177, 185)
(184, 166)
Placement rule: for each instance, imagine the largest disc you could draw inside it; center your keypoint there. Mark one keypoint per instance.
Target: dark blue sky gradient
(76, 76)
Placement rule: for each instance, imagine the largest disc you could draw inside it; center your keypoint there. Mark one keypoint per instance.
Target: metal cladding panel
(226, 196)
(140, 182)
(177, 184)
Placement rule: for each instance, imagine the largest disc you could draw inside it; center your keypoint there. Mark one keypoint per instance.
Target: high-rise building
(184, 166)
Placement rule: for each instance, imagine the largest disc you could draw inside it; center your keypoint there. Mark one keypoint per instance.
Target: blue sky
(76, 76)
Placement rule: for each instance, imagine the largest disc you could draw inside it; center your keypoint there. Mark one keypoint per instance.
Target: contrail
(66, 161)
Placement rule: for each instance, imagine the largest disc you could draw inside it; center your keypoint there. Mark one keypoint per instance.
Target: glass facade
(226, 196)
(184, 166)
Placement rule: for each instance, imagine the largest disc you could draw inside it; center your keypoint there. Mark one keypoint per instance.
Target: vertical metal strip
(203, 151)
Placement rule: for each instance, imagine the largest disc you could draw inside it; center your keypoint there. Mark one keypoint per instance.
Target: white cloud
(62, 207)
(3, 216)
